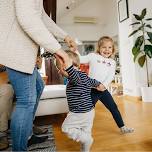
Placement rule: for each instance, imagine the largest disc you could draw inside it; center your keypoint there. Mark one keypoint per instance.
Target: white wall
(104, 10)
(133, 75)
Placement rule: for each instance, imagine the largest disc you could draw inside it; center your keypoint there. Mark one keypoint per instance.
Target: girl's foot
(125, 130)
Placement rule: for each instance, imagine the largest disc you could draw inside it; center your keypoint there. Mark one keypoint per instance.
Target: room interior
(78, 22)
(86, 21)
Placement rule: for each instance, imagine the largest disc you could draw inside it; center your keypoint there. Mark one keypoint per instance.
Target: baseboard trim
(133, 98)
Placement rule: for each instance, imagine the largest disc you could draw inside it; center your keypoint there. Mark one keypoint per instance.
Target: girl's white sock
(125, 130)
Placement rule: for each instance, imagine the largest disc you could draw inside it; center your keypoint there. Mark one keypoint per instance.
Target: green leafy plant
(142, 49)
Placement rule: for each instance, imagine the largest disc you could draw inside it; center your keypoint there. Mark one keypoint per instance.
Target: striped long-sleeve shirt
(78, 91)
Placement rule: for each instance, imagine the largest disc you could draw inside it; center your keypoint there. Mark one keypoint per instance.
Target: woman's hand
(62, 54)
(61, 64)
(71, 43)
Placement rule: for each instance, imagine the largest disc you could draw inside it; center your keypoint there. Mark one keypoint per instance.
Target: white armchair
(53, 100)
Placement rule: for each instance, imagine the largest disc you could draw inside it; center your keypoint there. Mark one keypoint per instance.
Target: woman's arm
(57, 31)
(31, 22)
(52, 27)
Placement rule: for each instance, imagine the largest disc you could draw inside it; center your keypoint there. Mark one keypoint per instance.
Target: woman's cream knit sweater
(24, 26)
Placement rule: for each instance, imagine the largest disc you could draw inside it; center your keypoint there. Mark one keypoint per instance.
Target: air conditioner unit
(79, 19)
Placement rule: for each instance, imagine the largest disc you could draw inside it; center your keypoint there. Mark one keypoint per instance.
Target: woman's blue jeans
(28, 89)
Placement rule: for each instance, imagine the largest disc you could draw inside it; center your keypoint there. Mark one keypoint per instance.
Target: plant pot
(146, 93)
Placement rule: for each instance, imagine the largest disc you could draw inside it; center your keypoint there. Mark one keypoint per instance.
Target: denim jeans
(28, 89)
(106, 98)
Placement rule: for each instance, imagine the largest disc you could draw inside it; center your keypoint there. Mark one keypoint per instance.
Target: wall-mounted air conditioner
(80, 19)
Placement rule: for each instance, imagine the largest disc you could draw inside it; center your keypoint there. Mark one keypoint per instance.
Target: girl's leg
(106, 98)
(78, 127)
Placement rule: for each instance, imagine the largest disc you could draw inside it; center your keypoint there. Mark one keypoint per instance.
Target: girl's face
(106, 49)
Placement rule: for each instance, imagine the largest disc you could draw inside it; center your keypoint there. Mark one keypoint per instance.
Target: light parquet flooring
(107, 136)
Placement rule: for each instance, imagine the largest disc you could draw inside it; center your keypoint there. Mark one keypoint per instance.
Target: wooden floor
(107, 136)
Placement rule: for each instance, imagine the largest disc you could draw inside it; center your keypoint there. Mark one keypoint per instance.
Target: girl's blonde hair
(75, 58)
(102, 40)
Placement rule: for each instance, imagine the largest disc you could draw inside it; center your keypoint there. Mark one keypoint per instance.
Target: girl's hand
(62, 54)
(101, 87)
(62, 64)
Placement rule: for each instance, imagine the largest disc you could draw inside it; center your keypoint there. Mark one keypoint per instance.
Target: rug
(47, 146)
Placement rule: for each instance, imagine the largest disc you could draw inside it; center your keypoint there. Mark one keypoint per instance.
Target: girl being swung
(102, 68)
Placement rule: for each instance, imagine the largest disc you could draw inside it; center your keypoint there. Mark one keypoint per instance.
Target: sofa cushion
(54, 91)
(52, 106)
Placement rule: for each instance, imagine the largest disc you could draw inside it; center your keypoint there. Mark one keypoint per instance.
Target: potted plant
(142, 49)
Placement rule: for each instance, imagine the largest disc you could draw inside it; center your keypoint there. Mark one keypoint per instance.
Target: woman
(24, 26)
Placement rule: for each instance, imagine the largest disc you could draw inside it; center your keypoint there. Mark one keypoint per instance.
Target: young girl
(79, 121)
(102, 68)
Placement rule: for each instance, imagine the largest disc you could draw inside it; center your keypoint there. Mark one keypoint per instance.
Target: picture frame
(123, 10)
(88, 47)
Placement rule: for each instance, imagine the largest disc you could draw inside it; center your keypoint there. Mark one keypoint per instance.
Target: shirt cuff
(70, 69)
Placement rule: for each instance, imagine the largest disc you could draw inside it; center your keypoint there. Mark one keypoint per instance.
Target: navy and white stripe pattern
(78, 91)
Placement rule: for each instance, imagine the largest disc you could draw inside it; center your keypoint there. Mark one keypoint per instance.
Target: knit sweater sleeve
(52, 27)
(31, 22)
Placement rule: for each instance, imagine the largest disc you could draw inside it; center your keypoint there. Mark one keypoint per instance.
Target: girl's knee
(72, 133)
(85, 138)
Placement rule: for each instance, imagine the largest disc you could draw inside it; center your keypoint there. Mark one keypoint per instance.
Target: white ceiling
(64, 7)
(104, 11)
